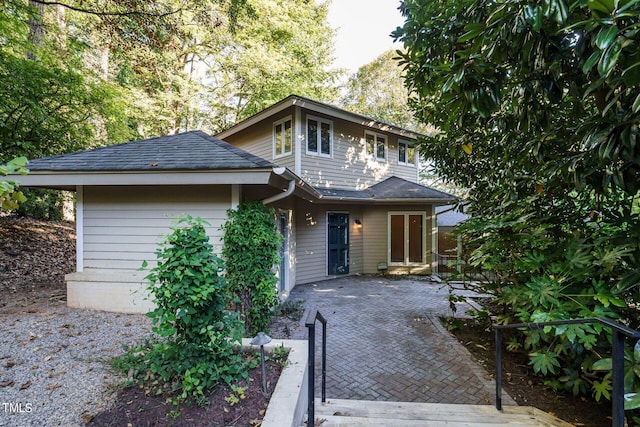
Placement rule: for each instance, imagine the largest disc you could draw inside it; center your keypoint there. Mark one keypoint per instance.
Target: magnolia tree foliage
(537, 108)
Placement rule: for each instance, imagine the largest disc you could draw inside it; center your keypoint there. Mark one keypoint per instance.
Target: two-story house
(344, 186)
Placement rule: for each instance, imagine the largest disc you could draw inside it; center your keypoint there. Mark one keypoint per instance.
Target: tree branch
(98, 13)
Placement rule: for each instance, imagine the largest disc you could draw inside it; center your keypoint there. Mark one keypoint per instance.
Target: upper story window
(319, 136)
(282, 137)
(406, 153)
(376, 145)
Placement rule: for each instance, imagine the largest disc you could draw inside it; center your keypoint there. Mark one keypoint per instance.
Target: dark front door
(338, 239)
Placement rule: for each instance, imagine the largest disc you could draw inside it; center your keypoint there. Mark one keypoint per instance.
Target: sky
(363, 28)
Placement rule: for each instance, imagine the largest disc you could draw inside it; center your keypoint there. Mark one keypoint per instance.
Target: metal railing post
(324, 362)
(310, 323)
(312, 378)
(498, 369)
(617, 396)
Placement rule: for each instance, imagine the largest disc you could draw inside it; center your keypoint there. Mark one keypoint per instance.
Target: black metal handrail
(312, 316)
(618, 333)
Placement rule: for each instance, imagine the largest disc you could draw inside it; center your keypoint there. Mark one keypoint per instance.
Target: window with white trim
(376, 145)
(407, 238)
(406, 154)
(319, 136)
(282, 137)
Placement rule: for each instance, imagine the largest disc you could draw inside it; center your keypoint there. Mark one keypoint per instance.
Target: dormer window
(282, 137)
(319, 136)
(406, 153)
(376, 145)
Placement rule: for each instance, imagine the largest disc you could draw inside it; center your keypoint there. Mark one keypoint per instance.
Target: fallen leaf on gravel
(26, 385)
(53, 387)
(87, 418)
(256, 422)
(7, 383)
(47, 358)
(57, 374)
(10, 365)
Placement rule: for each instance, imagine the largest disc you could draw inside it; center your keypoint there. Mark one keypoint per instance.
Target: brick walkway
(385, 342)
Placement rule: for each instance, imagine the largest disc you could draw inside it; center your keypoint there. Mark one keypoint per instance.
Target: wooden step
(347, 413)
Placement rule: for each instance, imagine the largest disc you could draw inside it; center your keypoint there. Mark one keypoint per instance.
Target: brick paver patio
(385, 342)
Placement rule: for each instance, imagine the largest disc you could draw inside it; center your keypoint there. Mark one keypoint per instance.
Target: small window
(376, 145)
(282, 137)
(319, 136)
(406, 154)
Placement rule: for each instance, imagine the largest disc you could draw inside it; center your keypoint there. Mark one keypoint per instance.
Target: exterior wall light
(358, 222)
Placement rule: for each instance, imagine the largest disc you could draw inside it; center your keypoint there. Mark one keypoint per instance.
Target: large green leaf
(606, 36)
(631, 401)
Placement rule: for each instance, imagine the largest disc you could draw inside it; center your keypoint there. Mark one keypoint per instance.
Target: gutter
(285, 173)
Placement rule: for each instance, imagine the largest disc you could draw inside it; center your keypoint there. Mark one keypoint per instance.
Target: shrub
(42, 204)
(250, 250)
(197, 341)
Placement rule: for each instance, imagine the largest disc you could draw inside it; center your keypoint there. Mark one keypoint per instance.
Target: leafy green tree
(377, 90)
(282, 47)
(250, 251)
(536, 106)
(49, 103)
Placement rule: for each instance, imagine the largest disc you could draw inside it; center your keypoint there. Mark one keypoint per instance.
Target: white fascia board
(53, 179)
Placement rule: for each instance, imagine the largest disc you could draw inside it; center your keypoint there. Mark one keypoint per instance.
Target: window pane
(415, 238)
(402, 153)
(380, 148)
(312, 136)
(369, 142)
(397, 238)
(287, 136)
(325, 135)
(278, 138)
(411, 155)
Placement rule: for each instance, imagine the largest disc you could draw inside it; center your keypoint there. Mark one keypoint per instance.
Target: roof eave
(405, 201)
(71, 179)
(318, 107)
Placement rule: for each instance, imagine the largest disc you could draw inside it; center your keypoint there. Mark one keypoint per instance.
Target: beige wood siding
(258, 140)
(349, 167)
(122, 226)
(311, 243)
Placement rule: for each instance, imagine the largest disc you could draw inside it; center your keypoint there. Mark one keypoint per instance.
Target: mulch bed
(132, 406)
(527, 388)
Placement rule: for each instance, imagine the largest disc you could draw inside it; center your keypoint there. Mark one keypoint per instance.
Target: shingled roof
(193, 150)
(391, 189)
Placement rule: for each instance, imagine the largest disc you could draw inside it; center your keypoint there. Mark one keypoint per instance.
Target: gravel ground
(54, 364)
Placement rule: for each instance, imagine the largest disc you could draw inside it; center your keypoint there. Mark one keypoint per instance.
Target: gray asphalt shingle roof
(193, 150)
(392, 188)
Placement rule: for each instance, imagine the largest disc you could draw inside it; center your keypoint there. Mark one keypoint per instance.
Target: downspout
(290, 189)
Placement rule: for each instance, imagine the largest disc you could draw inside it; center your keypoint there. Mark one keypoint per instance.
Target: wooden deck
(354, 413)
